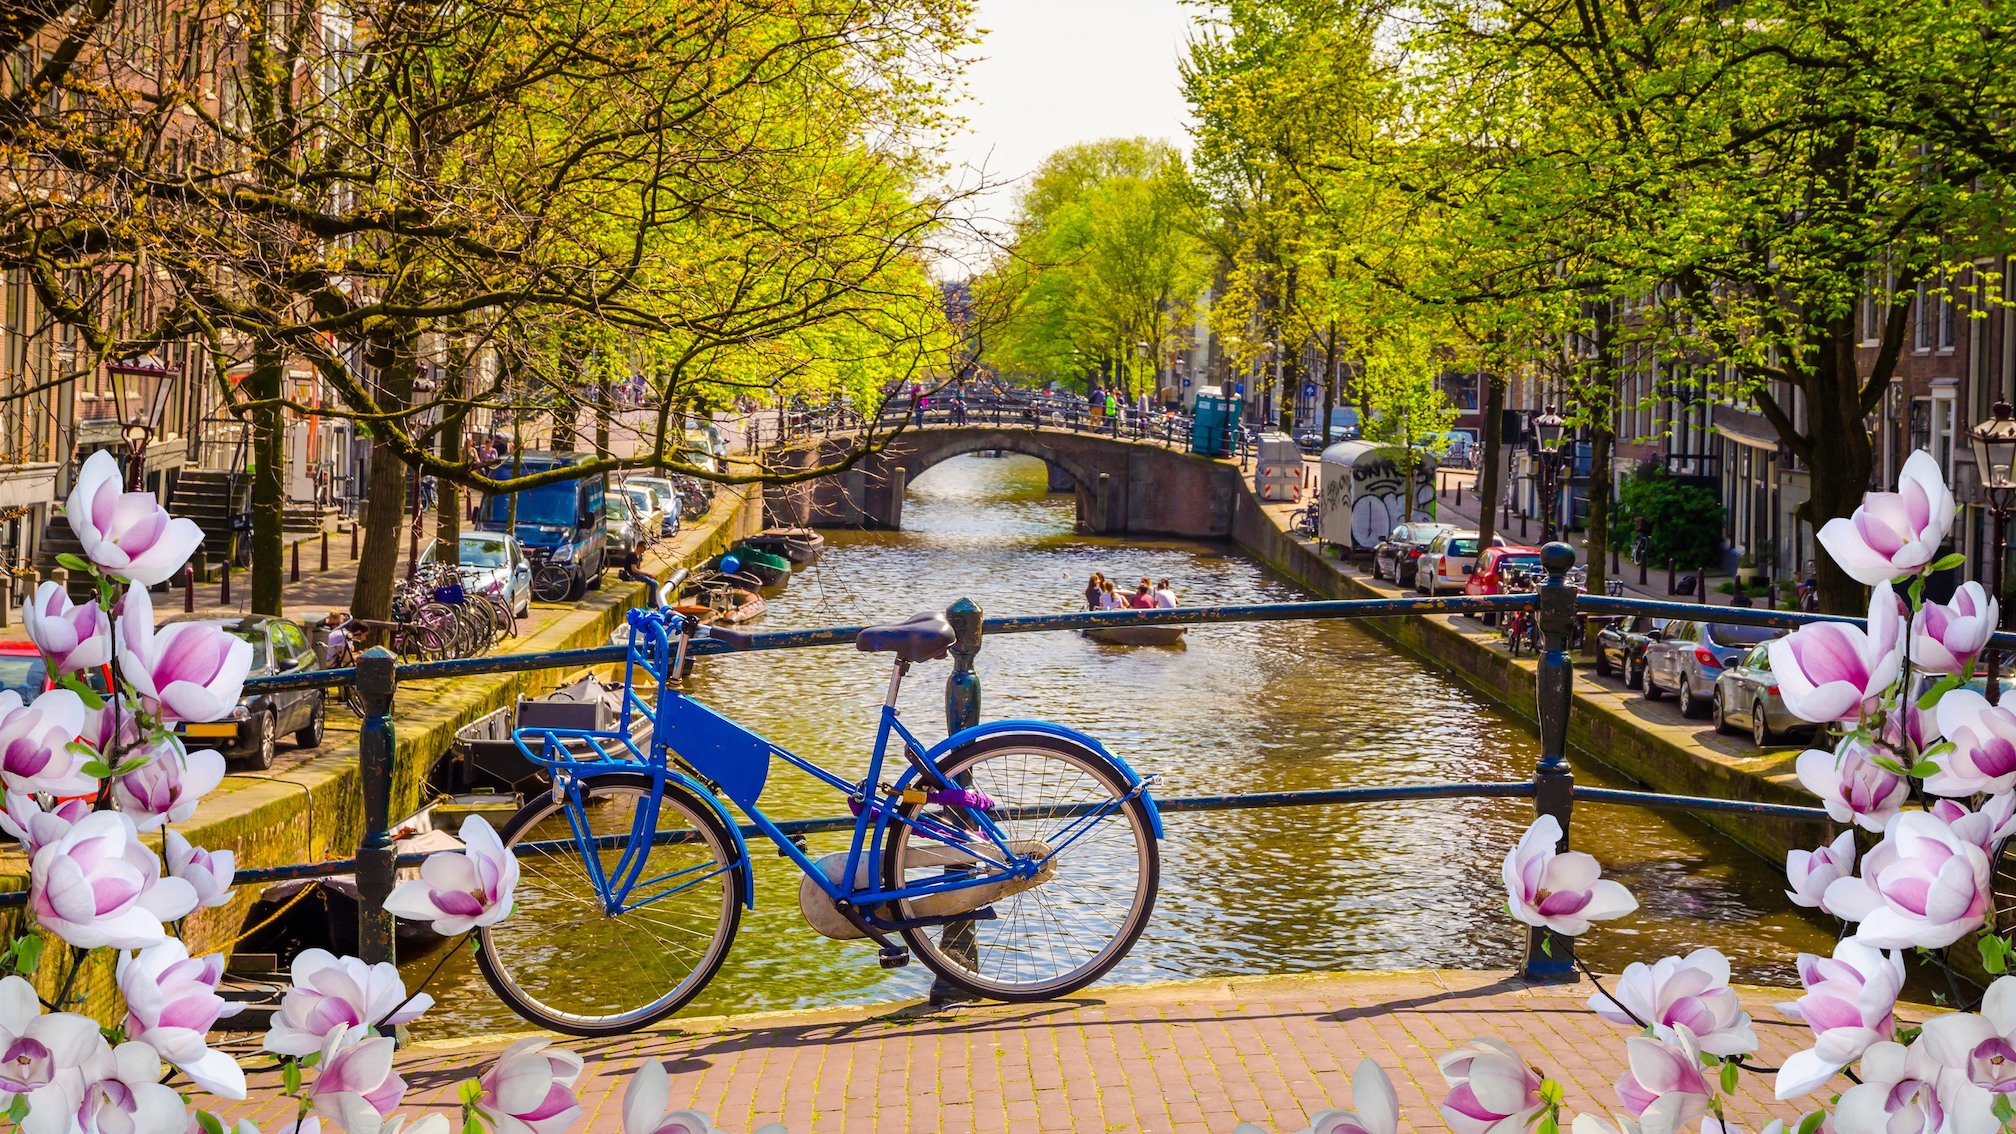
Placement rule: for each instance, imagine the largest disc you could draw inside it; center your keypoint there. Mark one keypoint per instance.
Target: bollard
(1671, 582)
(1643, 562)
(325, 550)
(294, 563)
(1701, 585)
(1614, 567)
(1522, 527)
(189, 589)
(1771, 596)
(224, 587)
(1550, 957)
(1442, 486)
(1459, 494)
(377, 676)
(353, 539)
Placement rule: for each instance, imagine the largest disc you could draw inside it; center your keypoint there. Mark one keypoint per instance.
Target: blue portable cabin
(1212, 429)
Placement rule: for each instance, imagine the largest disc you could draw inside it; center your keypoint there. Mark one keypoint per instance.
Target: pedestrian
(1093, 589)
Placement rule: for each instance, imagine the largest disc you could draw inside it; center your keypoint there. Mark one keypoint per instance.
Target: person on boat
(1092, 591)
(1144, 596)
(1108, 600)
(1165, 596)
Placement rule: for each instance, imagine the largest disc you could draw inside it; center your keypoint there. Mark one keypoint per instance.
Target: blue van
(559, 523)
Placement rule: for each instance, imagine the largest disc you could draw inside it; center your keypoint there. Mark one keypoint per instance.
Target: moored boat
(767, 569)
(1137, 635)
(801, 546)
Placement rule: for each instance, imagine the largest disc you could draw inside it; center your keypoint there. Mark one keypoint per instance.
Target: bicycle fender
(734, 831)
(1040, 728)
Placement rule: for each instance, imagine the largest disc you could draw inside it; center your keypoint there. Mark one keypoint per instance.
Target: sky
(1054, 72)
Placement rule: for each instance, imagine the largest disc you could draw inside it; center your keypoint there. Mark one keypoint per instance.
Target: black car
(1396, 556)
(261, 719)
(1620, 647)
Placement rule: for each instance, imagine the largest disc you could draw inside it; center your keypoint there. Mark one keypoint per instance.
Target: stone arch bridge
(1122, 485)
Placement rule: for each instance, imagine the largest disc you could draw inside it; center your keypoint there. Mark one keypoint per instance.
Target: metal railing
(1552, 787)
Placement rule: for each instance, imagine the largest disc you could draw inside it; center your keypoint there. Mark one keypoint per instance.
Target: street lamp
(1547, 430)
(1994, 444)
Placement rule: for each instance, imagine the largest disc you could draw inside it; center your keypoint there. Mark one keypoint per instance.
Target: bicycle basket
(450, 594)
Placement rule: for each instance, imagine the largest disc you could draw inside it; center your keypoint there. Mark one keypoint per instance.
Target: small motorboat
(768, 570)
(801, 546)
(1137, 635)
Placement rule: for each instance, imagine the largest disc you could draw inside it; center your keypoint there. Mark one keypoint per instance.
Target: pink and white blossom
(1689, 992)
(126, 535)
(1924, 885)
(529, 1090)
(171, 1005)
(115, 725)
(35, 752)
(1975, 1058)
(355, 1086)
(209, 872)
(1832, 671)
(1981, 756)
(1894, 534)
(460, 890)
(1985, 828)
(1561, 890)
(331, 993)
(71, 637)
(167, 788)
(131, 1099)
(185, 671)
(1899, 1094)
(1811, 872)
(47, 1057)
(1855, 788)
(24, 819)
(1377, 1106)
(650, 1091)
(1947, 637)
(1849, 1003)
(1664, 1089)
(1491, 1090)
(98, 885)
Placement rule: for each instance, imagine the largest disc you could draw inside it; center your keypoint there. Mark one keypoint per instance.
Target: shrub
(1683, 521)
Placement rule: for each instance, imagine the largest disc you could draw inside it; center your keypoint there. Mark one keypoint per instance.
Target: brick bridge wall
(1122, 486)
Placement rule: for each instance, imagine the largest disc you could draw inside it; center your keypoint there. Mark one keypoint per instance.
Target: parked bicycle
(1017, 859)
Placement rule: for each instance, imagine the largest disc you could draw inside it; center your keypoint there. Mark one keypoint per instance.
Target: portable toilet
(1211, 428)
(1277, 474)
(1362, 486)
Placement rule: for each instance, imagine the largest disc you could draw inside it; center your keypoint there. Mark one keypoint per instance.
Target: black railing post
(376, 678)
(962, 688)
(1550, 956)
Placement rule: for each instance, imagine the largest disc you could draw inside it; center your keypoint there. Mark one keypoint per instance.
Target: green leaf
(1811, 1123)
(469, 1091)
(1548, 1125)
(96, 768)
(1947, 563)
(85, 693)
(2004, 1109)
(209, 1122)
(1936, 690)
(312, 1059)
(1888, 764)
(18, 1109)
(1546, 944)
(290, 1077)
(27, 955)
(73, 562)
(1994, 953)
(1729, 1073)
(472, 1124)
(1550, 1091)
(1924, 769)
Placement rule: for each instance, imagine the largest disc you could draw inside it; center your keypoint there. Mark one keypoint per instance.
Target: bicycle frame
(734, 762)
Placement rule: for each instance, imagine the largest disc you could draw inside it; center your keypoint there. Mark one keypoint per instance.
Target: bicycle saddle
(920, 637)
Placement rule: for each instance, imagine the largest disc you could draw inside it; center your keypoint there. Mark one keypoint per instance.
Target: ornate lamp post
(1547, 430)
(1994, 444)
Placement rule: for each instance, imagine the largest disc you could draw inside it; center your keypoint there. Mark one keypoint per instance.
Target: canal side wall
(1604, 724)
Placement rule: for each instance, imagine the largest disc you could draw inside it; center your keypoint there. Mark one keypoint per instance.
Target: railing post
(376, 678)
(1550, 956)
(962, 688)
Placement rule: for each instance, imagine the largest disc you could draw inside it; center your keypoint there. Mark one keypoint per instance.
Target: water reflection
(1241, 708)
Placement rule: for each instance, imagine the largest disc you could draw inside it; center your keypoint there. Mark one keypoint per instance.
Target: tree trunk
(393, 354)
(448, 502)
(1839, 465)
(1330, 390)
(269, 501)
(1491, 457)
(1602, 435)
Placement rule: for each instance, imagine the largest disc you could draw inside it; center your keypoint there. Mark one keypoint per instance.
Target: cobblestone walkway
(1189, 1058)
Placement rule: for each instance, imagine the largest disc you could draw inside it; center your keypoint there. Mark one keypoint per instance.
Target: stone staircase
(207, 497)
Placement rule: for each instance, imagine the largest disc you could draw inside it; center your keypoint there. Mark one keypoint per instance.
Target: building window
(1946, 317)
(1945, 422)
(1872, 318)
(1921, 324)
(1920, 428)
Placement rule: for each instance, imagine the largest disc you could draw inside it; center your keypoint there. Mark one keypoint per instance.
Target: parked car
(667, 495)
(621, 530)
(1620, 647)
(645, 511)
(1448, 561)
(1492, 567)
(258, 721)
(494, 563)
(1688, 657)
(1396, 556)
(1746, 696)
(22, 671)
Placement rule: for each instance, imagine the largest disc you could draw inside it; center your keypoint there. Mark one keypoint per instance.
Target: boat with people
(1137, 635)
(1102, 594)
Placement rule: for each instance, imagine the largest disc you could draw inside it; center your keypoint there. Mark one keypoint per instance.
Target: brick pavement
(1195, 1057)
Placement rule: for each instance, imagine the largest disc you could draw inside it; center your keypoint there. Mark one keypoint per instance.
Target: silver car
(1746, 696)
(620, 529)
(667, 496)
(645, 513)
(1688, 657)
(493, 562)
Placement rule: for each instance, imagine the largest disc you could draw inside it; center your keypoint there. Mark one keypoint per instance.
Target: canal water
(1239, 708)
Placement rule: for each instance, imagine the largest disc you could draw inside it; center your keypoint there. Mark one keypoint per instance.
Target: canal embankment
(1609, 724)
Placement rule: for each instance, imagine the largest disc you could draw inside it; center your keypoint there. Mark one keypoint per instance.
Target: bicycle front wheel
(563, 961)
(1054, 798)
(551, 584)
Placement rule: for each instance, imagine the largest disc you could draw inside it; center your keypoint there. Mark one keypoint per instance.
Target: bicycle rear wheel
(562, 961)
(552, 583)
(1068, 930)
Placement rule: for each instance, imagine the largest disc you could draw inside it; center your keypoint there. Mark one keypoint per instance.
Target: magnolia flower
(1946, 638)
(1852, 785)
(209, 872)
(1923, 885)
(355, 1086)
(36, 828)
(1664, 1089)
(167, 788)
(1975, 1056)
(131, 1099)
(460, 890)
(528, 1089)
(1984, 828)
(1848, 1004)
(35, 752)
(97, 885)
(127, 535)
(1559, 890)
(48, 1057)
(1811, 872)
(171, 1005)
(1675, 992)
(1491, 1090)
(186, 671)
(331, 993)
(1982, 757)
(1894, 533)
(645, 1101)
(1371, 1091)
(1912, 727)
(71, 637)
(1832, 671)
(116, 725)
(1898, 1094)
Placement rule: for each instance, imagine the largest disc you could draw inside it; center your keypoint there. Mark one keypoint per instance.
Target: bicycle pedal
(894, 957)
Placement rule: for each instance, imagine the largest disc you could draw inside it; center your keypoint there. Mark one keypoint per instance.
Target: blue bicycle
(1018, 859)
